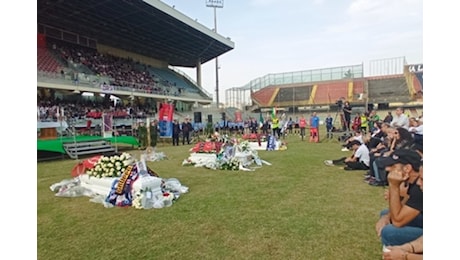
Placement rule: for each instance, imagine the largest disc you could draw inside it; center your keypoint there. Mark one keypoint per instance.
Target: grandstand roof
(147, 27)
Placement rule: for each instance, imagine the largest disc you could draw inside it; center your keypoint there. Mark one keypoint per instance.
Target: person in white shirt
(400, 119)
(416, 129)
(416, 126)
(357, 136)
(359, 160)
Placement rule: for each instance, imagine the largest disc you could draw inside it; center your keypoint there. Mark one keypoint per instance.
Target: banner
(238, 117)
(165, 119)
(271, 143)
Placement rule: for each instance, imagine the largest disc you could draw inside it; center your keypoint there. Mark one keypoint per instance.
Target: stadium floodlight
(216, 4)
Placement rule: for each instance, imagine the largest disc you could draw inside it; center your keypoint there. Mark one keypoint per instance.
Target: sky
(273, 36)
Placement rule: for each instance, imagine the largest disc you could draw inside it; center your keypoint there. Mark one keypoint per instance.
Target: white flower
(137, 201)
(126, 162)
(111, 166)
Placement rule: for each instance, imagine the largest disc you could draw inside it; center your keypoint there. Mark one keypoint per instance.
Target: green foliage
(297, 208)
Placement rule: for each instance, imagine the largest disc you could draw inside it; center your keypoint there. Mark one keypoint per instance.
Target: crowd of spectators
(84, 109)
(123, 72)
(390, 154)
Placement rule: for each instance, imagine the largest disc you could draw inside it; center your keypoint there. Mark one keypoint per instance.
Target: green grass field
(297, 208)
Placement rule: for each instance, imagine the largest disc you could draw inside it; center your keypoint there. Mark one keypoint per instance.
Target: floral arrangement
(244, 146)
(206, 147)
(111, 166)
(166, 201)
(255, 137)
(137, 202)
(232, 164)
(283, 146)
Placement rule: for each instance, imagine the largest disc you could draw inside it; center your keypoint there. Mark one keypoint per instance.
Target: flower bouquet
(230, 164)
(111, 166)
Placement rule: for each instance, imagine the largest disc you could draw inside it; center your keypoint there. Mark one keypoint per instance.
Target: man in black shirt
(403, 221)
(175, 132)
(347, 109)
(186, 129)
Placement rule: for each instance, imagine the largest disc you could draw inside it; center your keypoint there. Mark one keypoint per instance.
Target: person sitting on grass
(400, 139)
(357, 136)
(359, 160)
(376, 136)
(356, 122)
(402, 222)
(376, 152)
(416, 129)
(409, 250)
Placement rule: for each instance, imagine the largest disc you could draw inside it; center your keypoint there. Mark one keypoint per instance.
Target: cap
(404, 156)
(350, 144)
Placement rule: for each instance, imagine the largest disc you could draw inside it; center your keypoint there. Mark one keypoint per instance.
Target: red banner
(166, 112)
(165, 119)
(238, 117)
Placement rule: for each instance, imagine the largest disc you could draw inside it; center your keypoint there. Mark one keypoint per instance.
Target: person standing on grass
(347, 109)
(290, 125)
(154, 133)
(356, 122)
(364, 122)
(176, 132)
(302, 125)
(276, 126)
(329, 126)
(187, 128)
(142, 135)
(314, 128)
(265, 127)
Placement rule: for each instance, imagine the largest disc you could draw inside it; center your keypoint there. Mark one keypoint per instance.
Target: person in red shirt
(302, 125)
(356, 122)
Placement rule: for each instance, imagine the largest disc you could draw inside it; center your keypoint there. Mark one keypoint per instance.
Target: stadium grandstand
(128, 52)
(389, 83)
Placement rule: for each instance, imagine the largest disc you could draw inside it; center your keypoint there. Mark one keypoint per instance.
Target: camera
(339, 102)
